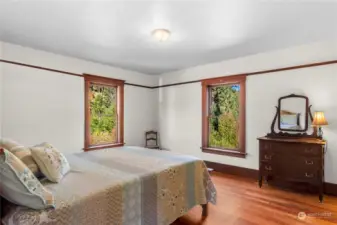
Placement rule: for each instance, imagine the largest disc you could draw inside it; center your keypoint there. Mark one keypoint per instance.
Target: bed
(124, 186)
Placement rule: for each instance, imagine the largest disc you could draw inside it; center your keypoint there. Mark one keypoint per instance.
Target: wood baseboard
(329, 188)
(233, 170)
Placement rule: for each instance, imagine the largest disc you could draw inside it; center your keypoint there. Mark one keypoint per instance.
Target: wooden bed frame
(2, 209)
(204, 210)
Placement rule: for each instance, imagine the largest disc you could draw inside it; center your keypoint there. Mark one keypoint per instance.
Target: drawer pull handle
(309, 175)
(309, 162)
(268, 168)
(310, 150)
(267, 157)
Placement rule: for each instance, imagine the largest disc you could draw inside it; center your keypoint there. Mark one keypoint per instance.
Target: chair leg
(204, 210)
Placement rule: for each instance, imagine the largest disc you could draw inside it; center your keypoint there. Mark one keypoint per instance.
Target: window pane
(103, 114)
(224, 116)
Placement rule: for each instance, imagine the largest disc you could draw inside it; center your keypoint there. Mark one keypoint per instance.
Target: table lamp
(319, 121)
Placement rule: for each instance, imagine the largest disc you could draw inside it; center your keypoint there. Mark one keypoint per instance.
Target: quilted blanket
(123, 186)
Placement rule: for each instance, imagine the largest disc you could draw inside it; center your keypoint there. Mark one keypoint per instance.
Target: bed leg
(204, 210)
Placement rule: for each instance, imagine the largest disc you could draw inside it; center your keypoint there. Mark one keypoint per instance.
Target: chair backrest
(151, 138)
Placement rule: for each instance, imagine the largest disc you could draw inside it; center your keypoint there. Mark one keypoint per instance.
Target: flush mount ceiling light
(161, 34)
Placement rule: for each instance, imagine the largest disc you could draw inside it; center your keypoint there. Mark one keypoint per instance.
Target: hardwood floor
(242, 202)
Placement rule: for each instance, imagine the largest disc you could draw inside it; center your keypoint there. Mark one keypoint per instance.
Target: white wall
(180, 106)
(46, 106)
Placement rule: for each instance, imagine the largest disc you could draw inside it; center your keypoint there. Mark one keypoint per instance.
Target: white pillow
(52, 163)
(23, 153)
(20, 186)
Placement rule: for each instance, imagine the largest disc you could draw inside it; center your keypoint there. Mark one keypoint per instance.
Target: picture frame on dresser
(293, 155)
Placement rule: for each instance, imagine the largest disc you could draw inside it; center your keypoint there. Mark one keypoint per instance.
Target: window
(223, 115)
(104, 102)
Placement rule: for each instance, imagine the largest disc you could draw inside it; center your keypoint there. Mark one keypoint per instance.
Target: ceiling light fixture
(161, 34)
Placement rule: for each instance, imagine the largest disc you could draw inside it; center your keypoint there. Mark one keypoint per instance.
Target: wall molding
(258, 72)
(180, 83)
(329, 188)
(62, 71)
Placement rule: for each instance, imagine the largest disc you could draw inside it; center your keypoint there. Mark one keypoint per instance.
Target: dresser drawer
(300, 149)
(266, 168)
(302, 167)
(305, 175)
(310, 162)
(309, 150)
(267, 146)
(268, 151)
(267, 156)
(291, 148)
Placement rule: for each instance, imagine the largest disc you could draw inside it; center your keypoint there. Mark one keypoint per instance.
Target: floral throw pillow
(20, 186)
(52, 163)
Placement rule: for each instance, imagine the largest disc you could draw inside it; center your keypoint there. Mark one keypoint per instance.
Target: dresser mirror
(293, 113)
(293, 118)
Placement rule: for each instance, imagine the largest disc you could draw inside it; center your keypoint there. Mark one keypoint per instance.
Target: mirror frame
(303, 134)
(305, 114)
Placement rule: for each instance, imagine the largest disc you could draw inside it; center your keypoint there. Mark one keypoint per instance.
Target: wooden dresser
(293, 160)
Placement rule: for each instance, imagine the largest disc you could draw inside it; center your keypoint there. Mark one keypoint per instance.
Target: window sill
(227, 152)
(97, 147)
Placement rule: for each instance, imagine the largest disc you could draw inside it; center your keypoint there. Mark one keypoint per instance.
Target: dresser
(292, 160)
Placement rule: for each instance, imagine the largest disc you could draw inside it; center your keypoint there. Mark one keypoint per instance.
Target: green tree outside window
(224, 116)
(103, 114)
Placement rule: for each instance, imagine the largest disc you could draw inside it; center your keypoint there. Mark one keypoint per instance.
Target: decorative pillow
(23, 153)
(20, 186)
(52, 163)
(8, 143)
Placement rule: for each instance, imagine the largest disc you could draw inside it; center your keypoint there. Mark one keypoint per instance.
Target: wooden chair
(151, 139)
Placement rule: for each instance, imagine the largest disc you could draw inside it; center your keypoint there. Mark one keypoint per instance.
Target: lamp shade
(319, 119)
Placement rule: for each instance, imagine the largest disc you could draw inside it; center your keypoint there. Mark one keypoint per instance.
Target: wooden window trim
(241, 151)
(92, 79)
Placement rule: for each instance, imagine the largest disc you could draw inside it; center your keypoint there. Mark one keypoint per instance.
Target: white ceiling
(118, 33)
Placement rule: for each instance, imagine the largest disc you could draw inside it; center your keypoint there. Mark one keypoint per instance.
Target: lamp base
(320, 132)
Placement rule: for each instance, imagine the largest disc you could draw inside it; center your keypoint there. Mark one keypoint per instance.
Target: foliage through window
(103, 115)
(224, 115)
(104, 112)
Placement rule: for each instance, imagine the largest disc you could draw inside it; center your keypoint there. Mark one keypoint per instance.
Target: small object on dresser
(151, 140)
(319, 121)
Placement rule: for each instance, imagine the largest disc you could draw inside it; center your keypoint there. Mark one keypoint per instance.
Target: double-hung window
(104, 109)
(223, 115)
